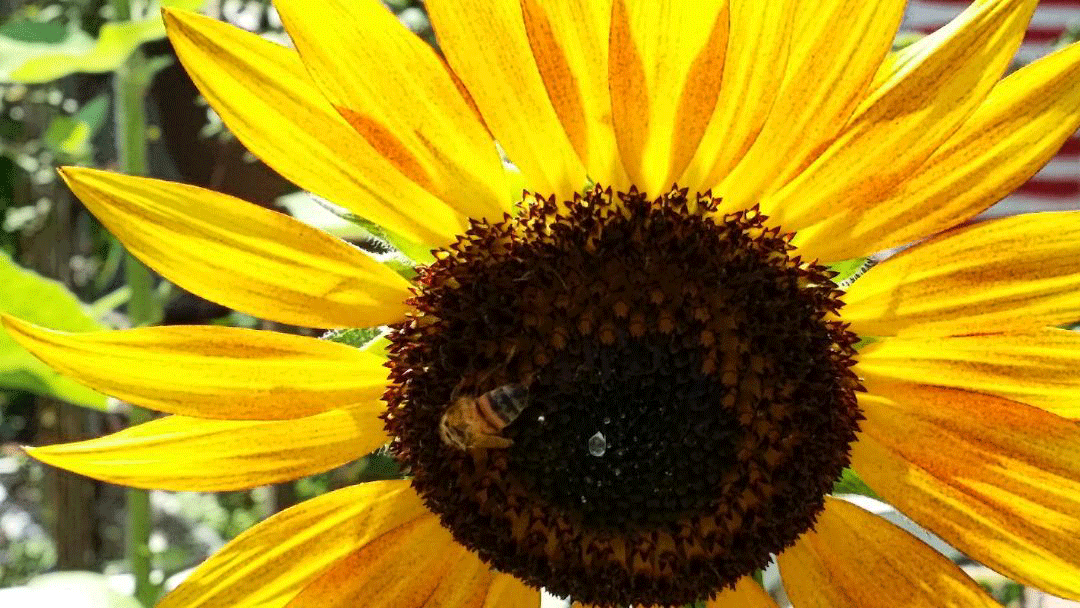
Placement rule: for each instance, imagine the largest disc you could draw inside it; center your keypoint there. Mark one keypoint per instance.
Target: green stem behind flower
(138, 531)
(130, 82)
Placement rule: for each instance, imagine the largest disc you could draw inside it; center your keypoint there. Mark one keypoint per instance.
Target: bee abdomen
(507, 402)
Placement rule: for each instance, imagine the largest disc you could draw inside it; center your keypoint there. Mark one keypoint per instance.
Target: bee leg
(492, 442)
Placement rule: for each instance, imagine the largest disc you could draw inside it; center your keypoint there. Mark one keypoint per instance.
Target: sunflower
(621, 367)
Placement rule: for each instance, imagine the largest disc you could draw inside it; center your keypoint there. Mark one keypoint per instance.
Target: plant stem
(130, 83)
(138, 501)
(138, 530)
(142, 303)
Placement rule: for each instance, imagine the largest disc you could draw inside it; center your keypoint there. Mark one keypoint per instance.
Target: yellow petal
(1013, 274)
(418, 564)
(997, 479)
(243, 256)
(569, 39)
(269, 564)
(508, 592)
(746, 594)
(487, 47)
(267, 99)
(904, 121)
(1016, 130)
(192, 454)
(1039, 368)
(666, 63)
(211, 372)
(836, 47)
(396, 92)
(854, 559)
(759, 41)
(897, 61)
(469, 582)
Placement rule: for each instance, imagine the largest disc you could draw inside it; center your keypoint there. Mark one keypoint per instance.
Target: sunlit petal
(997, 479)
(569, 39)
(759, 41)
(267, 99)
(210, 371)
(1013, 274)
(1016, 130)
(197, 455)
(505, 590)
(854, 559)
(666, 61)
(836, 48)
(266, 566)
(1035, 368)
(416, 565)
(903, 121)
(746, 594)
(486, 45)
(241, 255)
(397, 93)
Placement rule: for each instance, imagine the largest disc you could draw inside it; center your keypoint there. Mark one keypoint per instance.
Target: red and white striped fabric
(1057, 186)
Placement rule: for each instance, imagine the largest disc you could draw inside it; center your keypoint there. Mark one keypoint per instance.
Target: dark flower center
(625, 400)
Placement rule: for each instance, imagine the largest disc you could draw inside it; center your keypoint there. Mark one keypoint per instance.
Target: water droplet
(597, 444)
(607, 420)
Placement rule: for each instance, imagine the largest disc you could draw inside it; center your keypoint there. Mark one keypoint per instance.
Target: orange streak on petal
(559, 79)
(629, 92)
(698, 99)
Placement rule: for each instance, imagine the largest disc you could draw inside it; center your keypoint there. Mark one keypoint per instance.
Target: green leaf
(109, 302)
(851, 483)
(153, 65)
(338, 221)
(49, 32)
(906, 38)
(417, 252)
(70, 135)
(66, 136)
(359, 338)
(378, 465)
(94, 112)
(34, 62)
(31, 297)
(305, 208)
(850, 270)
(396, 253)
(379, 346)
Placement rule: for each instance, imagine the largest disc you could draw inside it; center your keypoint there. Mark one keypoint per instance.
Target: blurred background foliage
(95, 83)
(65, 69)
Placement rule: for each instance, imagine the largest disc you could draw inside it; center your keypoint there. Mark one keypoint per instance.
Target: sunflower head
(683, 397)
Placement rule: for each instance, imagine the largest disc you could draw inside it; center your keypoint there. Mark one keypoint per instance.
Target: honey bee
(476, 422)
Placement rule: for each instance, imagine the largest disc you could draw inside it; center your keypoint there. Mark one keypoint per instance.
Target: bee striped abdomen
(502, 405)
(477, 422)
